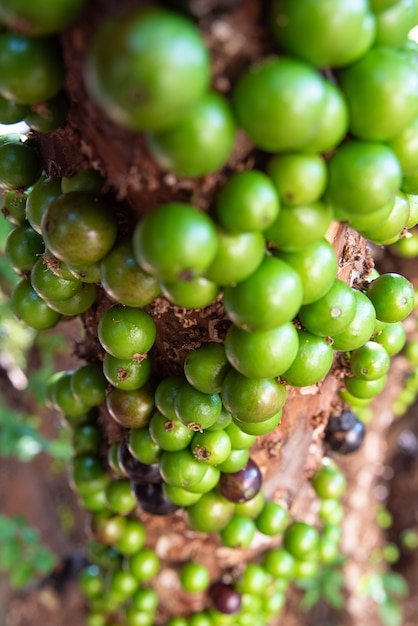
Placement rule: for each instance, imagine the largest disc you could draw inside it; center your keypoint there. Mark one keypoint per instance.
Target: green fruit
(175, 242)
(323, 34)
(126, 332)
(155, 70)
(250, 400)
(43, 17)
(247, 202)
(79, 228)
(32, 68)
(381, 90)
(279, 102)
(20, 165)
(200, 143)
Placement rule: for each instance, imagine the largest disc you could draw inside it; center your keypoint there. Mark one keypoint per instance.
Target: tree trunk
(88, 139)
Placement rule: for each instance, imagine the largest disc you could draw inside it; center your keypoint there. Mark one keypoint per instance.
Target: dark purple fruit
(152, 500)
(134, 469)
(225, 598)
(243, 485)
(345, 433)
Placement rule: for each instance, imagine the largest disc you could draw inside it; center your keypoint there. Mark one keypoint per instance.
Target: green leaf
(395, 584)
(390, 613)
(21, 575)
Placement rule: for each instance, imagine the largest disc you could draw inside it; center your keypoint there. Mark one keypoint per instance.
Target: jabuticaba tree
(199, 185)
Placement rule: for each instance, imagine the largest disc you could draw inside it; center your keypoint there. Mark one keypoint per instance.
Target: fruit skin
(43, 17)
(126, 332)
(250, 400)
(247, 202)
(175, 241)
(270, 297)
(20, 166)
(363, 176)
(200, 143)
(323, 33)
(79, 228)
(32, 68)
(28, 307)
(381, 90)
(279, 102)
(393, 297)
(262, 354)
(154, 71)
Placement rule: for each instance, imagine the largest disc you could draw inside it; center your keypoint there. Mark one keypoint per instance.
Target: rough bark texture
(290, 454)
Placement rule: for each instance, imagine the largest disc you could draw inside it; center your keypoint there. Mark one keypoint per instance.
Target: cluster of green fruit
(336, 146)
(122, 569)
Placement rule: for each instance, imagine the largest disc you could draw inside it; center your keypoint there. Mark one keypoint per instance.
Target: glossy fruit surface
(278, 103)
(381, 90)
(235, 462)
(206, 367)
(317, 268)
(345, 433)
(41, 18)
(48, 116)
(392, 337)
(262, 354)
(119, 496)
(312, 362)
(88, 384)
(250, 400)
(301, 540)
(225, 598)
(126, 331)
(79, 228)
(273, 519)
(270, 297)
(369, 362)
(392, 295)
(247, 202)
(365, 389)
(238, 533)
(169, 434)
(321, 35)
(299, 226)
(211, 447)
(390, 229)
(79, 302)
(132, 537)
(32, 68)
(181, 468)
(361, 327)
(144, 565)
(198, 144)
(363, 176)
(237, 257)
(242, 485)
(211, 513)
(28, 307)
(165, 395)
(43, 192)
(299, 178)
(23, 248)
(329, 482)
(144, 91)
(134, 469)
(332, 313)
(11, 112)
(142, 447)
(194, 577)
(175, 241)
(194, 293)
(123, 280)
(152, 499)
(126, 374)
(195, 409)
(131, 409)
(20, 165)
(333, 124)
(48, 286)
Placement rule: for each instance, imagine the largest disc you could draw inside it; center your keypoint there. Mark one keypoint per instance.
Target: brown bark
(88, 139)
